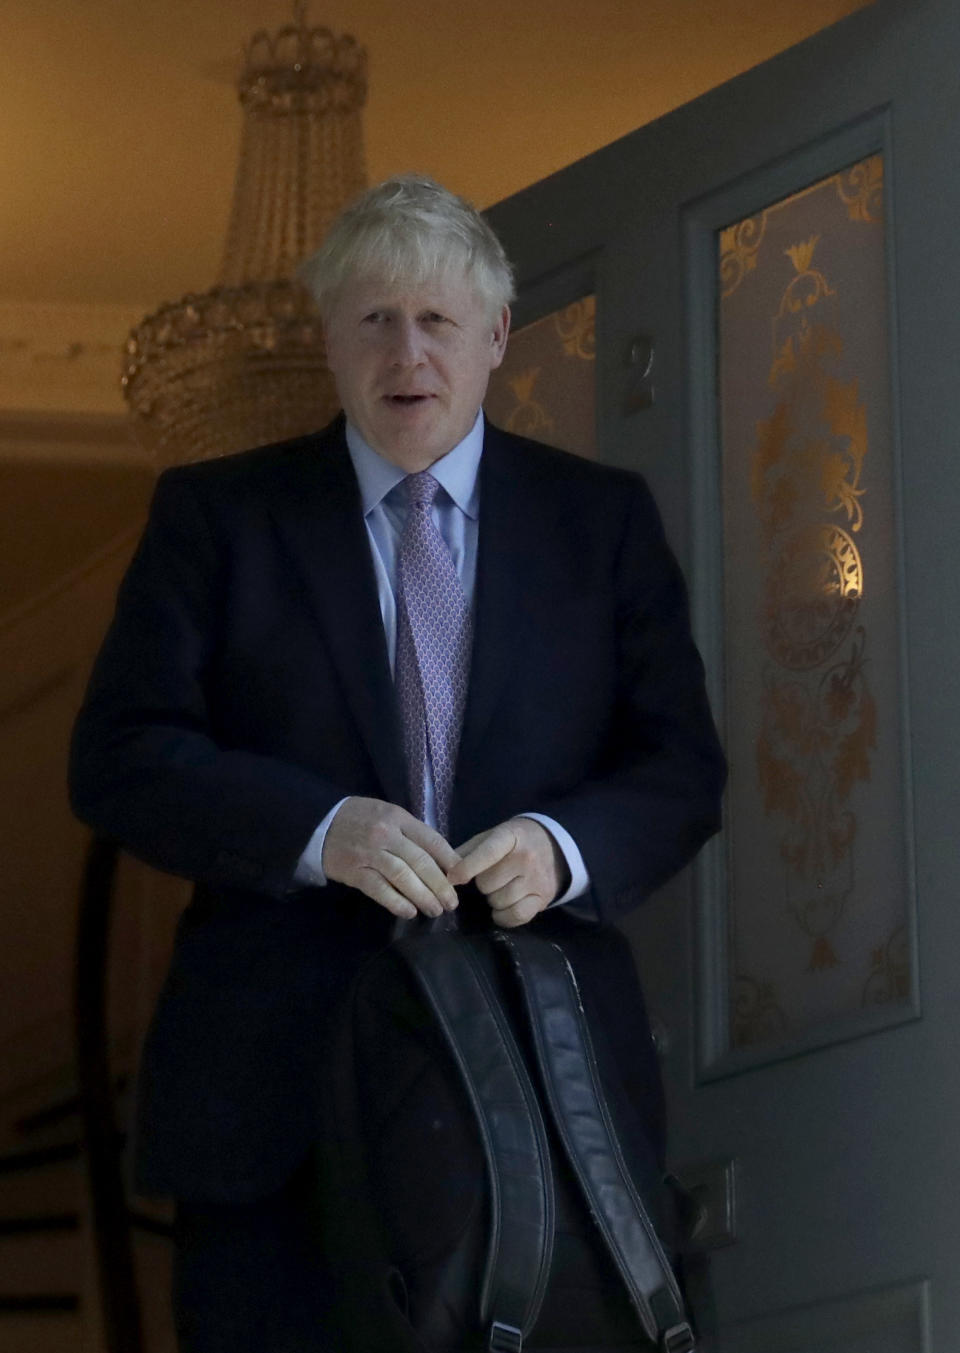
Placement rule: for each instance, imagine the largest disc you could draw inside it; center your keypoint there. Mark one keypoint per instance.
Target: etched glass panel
(819, 905)
(546, 386)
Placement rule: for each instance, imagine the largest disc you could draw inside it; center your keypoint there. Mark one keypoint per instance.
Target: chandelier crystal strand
(243, 364)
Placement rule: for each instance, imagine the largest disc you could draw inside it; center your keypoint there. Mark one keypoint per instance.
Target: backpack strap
(468, 1011)
(567, 1062)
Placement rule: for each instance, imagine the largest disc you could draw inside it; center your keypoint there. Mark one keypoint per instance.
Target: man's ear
(498, 339)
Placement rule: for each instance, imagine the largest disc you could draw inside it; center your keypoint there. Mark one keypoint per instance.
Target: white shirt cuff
(309, 871)
(579, 878)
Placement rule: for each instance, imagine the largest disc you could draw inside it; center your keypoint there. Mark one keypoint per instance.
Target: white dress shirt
(456, 513)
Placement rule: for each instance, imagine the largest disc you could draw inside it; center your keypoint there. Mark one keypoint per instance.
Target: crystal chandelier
(243, 364)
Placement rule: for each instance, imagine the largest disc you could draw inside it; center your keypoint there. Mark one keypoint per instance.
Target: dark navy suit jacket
(244, 687)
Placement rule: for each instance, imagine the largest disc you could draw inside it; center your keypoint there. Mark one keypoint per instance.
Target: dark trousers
(249, 1278)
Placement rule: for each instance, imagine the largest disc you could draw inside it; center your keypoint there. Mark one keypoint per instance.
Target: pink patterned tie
(433, 651)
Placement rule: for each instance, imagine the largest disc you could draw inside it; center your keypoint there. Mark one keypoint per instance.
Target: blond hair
(409, 229)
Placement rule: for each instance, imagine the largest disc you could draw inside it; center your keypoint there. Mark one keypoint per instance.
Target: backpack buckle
(678, 1339)
(504, 1338)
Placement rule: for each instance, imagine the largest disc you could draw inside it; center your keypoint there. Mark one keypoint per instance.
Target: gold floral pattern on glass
(546, 386)
(808, 523)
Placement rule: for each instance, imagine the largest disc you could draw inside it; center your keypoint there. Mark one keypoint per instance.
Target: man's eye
(434, 317)
(374, 317)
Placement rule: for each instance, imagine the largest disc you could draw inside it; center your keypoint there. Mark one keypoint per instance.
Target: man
(349, 675)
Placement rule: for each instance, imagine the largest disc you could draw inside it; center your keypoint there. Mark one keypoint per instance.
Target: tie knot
(420, 489)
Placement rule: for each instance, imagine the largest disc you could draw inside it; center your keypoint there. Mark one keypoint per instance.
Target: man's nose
(407, 348)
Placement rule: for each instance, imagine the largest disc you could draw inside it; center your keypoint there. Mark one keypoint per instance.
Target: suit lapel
(509, 569)
(321, 524)
(320, 521)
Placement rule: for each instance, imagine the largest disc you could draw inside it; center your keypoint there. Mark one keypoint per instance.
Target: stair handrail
(113, 1246)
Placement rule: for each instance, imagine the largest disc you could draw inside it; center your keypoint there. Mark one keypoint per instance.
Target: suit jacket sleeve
(652, 797)
(146, 768)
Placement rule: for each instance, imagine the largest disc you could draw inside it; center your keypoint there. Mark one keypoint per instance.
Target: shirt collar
(456, 472)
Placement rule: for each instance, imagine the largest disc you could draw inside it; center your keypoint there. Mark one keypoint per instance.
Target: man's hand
(390, 855)
(517, 866)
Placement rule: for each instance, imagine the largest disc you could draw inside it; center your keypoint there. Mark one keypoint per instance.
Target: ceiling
(119, 124)
(119, 130)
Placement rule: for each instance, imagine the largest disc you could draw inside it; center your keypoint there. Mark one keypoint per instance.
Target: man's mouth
(404, 400)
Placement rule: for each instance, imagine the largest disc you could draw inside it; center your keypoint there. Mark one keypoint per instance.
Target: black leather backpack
(485, 1184)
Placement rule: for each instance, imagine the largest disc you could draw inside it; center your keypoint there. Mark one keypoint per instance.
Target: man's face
(412, 362)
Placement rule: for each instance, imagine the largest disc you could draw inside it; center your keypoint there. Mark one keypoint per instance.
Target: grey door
(761, 292)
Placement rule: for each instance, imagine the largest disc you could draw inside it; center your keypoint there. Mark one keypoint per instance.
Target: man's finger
(425, 867)
(502, 874)
(369, 838)
(376, 887)
(482, 852)
(506, 894)
(430, 840)
(521, 913)
(408, 883)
